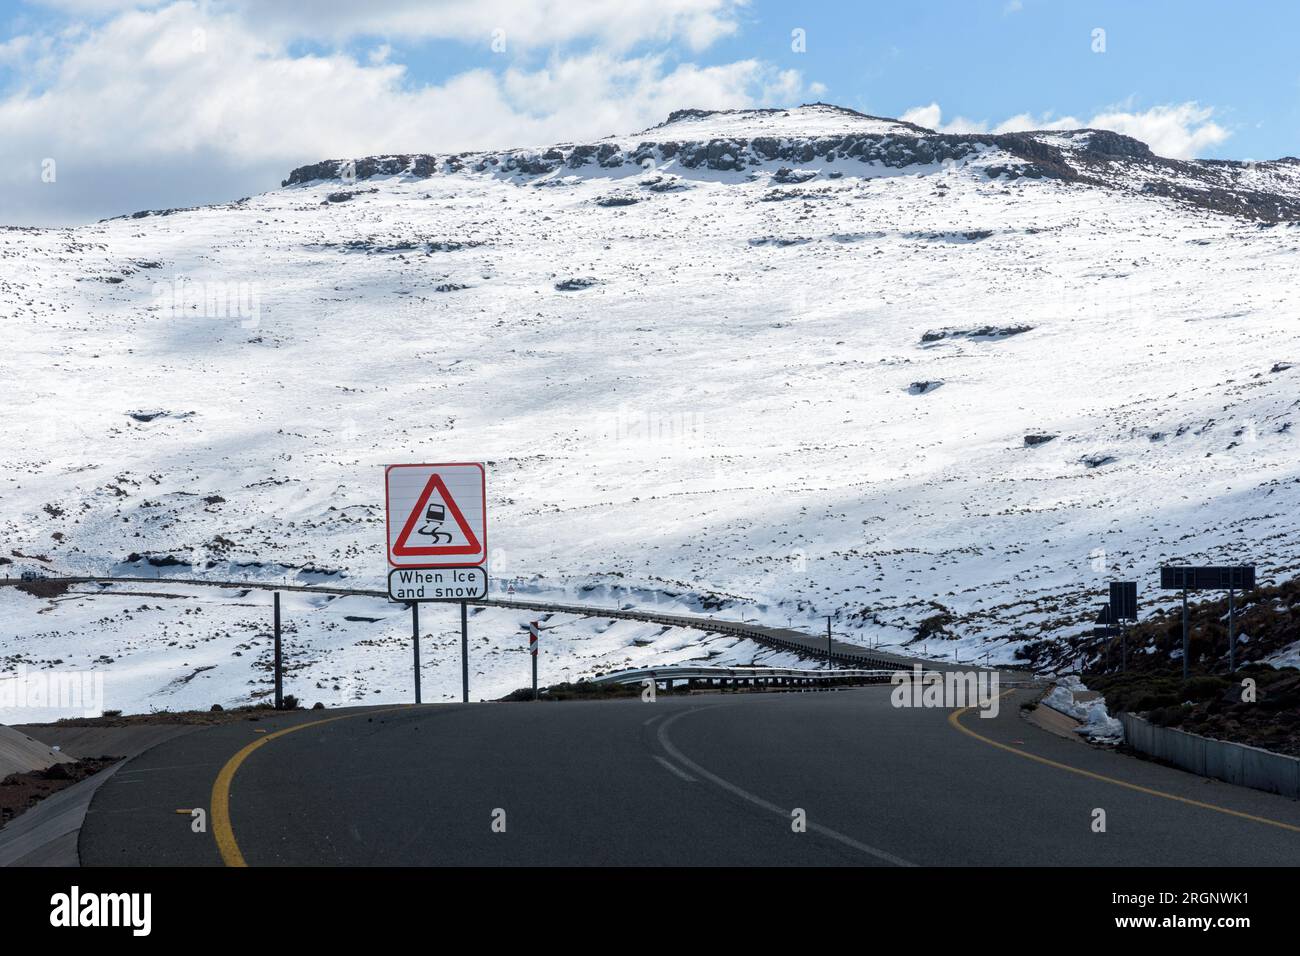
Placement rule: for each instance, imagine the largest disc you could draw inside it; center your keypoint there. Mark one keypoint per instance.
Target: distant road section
(841, 652)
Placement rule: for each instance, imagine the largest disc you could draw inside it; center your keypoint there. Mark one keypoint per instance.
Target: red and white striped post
(533, 631)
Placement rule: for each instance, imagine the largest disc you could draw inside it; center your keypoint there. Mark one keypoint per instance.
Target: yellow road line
(955, 719)
(222, 831)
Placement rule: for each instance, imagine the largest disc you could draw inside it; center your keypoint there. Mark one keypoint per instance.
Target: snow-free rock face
(841, 142)
(773, 364)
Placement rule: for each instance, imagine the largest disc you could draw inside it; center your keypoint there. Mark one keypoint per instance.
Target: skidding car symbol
(435, 515)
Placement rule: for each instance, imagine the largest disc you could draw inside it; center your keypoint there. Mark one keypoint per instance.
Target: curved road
(705, 779)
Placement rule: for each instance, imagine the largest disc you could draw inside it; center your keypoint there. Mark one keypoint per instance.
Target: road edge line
(219, 806)
(955, 720)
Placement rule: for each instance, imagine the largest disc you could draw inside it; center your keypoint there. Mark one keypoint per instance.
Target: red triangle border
(403, 550)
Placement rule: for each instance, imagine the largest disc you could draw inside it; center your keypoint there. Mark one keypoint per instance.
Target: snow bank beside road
(1095, 723)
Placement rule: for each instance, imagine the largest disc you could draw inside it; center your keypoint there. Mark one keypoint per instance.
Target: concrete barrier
(1235, 763)
(21, 754)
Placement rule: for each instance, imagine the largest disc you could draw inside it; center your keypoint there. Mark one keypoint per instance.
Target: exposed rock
(573, 285)
(983, 332)
(787, 175)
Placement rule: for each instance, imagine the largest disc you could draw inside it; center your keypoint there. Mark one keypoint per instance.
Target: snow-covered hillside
(794, 363)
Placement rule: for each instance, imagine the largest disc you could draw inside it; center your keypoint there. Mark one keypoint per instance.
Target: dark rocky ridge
(1098, 158)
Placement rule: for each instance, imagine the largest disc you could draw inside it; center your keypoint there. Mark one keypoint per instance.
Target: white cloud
(134, 109)
(1179, 131)
(616, 24)
(528, 24)
(927, 116)
(931, 118)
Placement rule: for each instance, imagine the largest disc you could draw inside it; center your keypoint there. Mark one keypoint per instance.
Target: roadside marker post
(279, 659)
(830, 663)
(533, 630)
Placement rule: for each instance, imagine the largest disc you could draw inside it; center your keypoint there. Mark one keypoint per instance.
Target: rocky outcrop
(1098, 158)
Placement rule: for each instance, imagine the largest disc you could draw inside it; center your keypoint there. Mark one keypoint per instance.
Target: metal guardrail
(796, 642)
(767, 675)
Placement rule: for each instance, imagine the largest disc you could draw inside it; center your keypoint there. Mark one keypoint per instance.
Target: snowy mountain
(737, 140)
(782, 363)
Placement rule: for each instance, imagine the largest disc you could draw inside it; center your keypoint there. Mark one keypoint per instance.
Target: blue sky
(990, 59)
(171, 103)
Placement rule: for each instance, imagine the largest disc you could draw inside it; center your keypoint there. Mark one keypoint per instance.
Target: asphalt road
(709, 779)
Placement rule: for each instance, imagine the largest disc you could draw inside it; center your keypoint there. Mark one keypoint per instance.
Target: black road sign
(1104, 616)
(1240, 577)
(1124, 600)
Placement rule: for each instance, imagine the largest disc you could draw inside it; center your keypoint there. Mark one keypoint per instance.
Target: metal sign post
(464, 652)
(532, 651)
(279, 659)
(1105, 626)
(1227, 578)
(415, 643)
(1185, 635)
(829, 654)
(1232, 638)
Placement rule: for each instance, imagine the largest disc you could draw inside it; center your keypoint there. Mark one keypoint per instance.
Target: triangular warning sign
(403, 548)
